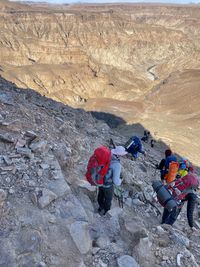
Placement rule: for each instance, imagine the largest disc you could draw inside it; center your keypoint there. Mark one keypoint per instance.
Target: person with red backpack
(183, 190)
(103, 170)
(112, 177)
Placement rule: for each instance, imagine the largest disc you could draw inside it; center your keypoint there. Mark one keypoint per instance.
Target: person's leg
(170, 217)
(108, 198)
(165, 215)
(134, 154)
(101, 198)
(191, 198)
(162, 175)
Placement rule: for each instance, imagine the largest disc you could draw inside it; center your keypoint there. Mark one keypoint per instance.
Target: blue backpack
(133, 143)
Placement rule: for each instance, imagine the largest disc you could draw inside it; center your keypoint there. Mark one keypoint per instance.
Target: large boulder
(80, 234)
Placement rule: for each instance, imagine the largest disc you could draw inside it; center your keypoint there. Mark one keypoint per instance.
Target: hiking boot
(100, 209)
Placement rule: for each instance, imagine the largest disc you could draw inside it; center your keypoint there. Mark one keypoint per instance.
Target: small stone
(25, 152)
(3, 195)
(41, 264)
(165, 258)
(160, 230)
(11, 191)
(47, 197)
(102, 264)
(40, 172)
(178, 259)
(31, 183)
(44, 166)
(39, 146)
(137, 202)
(7, 160)
(25, 176)
(103, 242)
(127, 261)
(33, 198)
(8, 180)
(95, 250)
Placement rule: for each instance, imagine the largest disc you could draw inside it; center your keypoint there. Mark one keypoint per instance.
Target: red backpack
(185, 185)
(98, 165)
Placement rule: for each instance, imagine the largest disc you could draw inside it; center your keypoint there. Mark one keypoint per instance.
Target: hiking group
(178, 183)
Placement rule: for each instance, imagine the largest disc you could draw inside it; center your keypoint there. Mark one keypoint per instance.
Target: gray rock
(115, 211)
(29, 241)
(72, 209)
(127, 261)
(137, 202)
(25, 152)
(179, 238)
(82, 264)
(102, 264)
(134, 230)
(144, 254)
(38, 146)
(41, 264)
(80, 234)
(3, 195)
(46, 198)
(85, 185)
(103, 241)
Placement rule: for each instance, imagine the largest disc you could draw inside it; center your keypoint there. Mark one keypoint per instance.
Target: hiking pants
(169, 217)
(105, 196)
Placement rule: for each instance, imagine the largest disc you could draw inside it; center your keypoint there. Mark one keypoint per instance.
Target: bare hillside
(137, 61)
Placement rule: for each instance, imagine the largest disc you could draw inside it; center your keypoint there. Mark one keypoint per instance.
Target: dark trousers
(169, 217)
(105, 196)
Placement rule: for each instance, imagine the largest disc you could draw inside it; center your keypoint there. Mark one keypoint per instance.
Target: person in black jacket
(164, 163)
(170, 217)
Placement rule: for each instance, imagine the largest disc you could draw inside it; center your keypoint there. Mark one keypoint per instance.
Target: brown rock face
(140, 62)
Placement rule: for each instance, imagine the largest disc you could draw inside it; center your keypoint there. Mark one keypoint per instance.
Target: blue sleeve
(116, 174)
(141, 150)
(168, 160)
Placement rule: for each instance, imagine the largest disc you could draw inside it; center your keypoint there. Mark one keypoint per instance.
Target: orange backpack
(172, 172)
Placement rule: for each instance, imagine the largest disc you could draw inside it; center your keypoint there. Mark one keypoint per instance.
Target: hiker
(112, 177)
(134, 146)
(146, 136)
(163, 166)
(152, 142)
(184, 168)
(169, 217)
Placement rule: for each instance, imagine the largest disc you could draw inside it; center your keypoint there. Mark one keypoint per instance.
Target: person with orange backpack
(103, 170)
(164, 166)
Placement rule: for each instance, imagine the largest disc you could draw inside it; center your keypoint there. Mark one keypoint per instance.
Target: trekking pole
(119, 195)
(112, 143)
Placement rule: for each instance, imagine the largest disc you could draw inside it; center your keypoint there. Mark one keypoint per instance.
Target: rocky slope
(48, 210)
(110, 58)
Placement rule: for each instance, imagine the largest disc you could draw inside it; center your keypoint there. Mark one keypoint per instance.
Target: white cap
(119, 151)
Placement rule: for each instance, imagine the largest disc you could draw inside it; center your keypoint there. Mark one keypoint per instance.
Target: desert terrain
(71, 78)
(139, 62)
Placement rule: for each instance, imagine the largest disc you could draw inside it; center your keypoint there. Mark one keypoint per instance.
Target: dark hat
(168, 152)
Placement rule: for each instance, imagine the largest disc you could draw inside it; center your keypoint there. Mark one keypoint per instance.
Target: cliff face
(115, 54)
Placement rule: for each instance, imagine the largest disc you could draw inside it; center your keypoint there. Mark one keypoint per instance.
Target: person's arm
(116, 174)
(161, 164)
(140, 149)
(191, 198)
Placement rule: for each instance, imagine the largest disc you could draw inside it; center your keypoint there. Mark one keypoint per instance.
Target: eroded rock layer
(110, 58)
